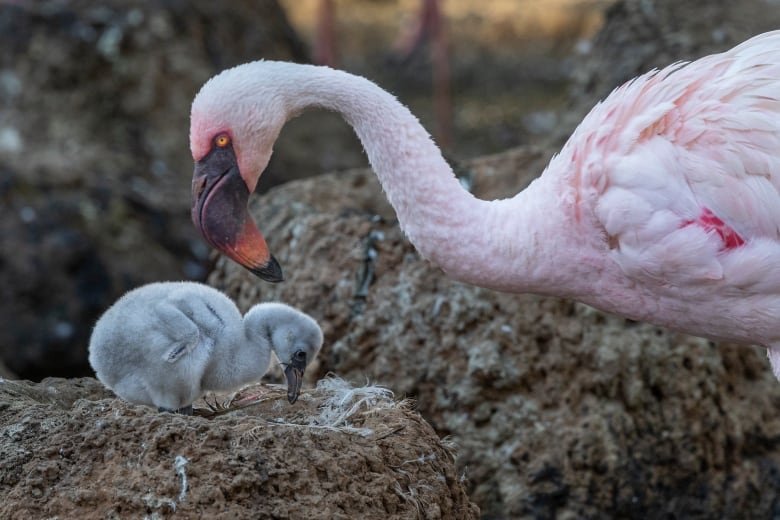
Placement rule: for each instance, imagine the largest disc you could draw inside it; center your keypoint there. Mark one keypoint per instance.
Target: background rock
(5, 373)
(68, 449)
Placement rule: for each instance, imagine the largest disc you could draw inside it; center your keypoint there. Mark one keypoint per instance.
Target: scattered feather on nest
(344, 401)
(339, 404)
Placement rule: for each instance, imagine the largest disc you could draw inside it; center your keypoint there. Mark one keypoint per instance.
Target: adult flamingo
(663, 206)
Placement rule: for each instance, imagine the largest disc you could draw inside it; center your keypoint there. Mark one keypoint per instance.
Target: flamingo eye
(222, 140)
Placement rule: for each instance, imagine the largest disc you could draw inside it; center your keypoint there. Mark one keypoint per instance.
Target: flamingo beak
(293, 372)
(219, 212)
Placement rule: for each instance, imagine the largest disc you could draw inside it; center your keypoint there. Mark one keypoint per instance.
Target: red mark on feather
(710, 222)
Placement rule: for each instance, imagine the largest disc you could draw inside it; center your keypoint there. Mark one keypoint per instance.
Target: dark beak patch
(219, 212)
(293, 372)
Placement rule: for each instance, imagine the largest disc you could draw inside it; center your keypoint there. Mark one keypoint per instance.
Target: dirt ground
(69, 449)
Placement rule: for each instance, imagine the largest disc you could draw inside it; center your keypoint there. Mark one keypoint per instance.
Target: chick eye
(222, 140)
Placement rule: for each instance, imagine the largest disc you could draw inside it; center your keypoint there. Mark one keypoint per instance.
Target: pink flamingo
(663, 206)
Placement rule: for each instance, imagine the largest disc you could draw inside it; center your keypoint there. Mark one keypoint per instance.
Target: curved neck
(490, 244)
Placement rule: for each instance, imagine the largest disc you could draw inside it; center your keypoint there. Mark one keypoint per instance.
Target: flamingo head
(232, 132)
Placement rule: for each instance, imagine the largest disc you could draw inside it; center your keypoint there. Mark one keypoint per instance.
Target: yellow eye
(222, 140)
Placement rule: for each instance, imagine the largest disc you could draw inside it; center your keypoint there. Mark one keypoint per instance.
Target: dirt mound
(69, 449)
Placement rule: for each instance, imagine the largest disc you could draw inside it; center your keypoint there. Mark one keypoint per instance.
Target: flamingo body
(680, 171)
(663, 206)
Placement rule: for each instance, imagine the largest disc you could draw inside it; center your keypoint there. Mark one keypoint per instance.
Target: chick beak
(293, 372)
(219, 212)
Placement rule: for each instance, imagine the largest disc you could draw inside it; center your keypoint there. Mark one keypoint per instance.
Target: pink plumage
(663, 206)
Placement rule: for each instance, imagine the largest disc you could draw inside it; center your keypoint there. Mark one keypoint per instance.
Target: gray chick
(166, 344)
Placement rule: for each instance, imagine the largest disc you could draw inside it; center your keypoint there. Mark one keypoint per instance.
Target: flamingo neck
(494, 244)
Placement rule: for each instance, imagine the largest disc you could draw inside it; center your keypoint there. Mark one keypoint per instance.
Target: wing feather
(688, 139)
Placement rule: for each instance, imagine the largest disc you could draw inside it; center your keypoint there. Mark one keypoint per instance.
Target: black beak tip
(270, 272)
(294, 375)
